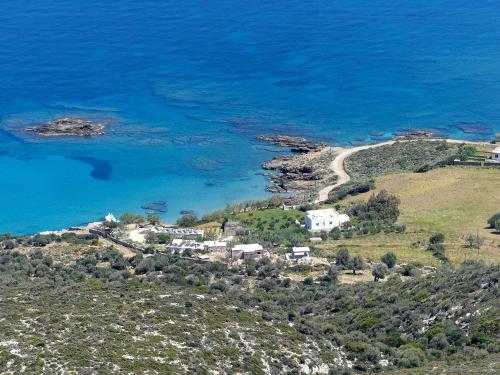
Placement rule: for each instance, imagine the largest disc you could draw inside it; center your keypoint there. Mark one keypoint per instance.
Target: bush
(466, 151)
(186, 221)
(438, 251)
(128, 218)
(410, 270)
(153, 219)
(308, 281)
(351, 188)
(380, 207)
(379, 272)
(389, 259)
(437, 238)
(342, 259)
(410, 357)
(494, 221)
(474, 241)
(439, 341)
(357, 263)
(335, 233)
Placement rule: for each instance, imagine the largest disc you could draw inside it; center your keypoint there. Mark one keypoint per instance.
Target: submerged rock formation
(295, 144)
(155, 207)
(69, 127)
(414, 134)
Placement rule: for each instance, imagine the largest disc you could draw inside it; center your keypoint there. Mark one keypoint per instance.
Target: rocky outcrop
(301, 175)
(414, 134)
(295, 144)
(68, 126)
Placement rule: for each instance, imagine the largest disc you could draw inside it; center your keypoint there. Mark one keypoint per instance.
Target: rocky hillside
(162, 315)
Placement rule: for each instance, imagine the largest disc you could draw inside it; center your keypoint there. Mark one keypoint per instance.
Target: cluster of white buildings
(190, 239)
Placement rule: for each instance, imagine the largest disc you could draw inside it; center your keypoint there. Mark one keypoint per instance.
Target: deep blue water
(188, 84)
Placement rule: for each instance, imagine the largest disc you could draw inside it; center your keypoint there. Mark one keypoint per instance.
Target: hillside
(186, 318)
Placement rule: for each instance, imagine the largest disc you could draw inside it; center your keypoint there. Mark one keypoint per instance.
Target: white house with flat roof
(298, 253)
(246, 251)
(324, 220)
(495, 154)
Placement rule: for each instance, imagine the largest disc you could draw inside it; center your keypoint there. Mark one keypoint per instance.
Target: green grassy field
(270, 219)
(453, 201)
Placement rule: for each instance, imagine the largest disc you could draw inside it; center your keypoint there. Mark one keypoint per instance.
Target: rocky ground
(68, 126)
(301, 174)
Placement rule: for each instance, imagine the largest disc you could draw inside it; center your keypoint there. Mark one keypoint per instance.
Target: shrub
(474, 241)
(188, 220)
(219, 286)
(308, 281)
(335, 233)
(357, 263)
(389, 259)
(410, 270)
(128, 218)
(410, 357)
(466, 151)
(379, 272)
(439, 341)
(494, 221)
(342, 259)
(382, 206)
(153, 219)
(350, 188)
(436, 238)
(438, 251)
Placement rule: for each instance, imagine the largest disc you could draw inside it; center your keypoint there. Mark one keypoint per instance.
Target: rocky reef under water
(69, 127)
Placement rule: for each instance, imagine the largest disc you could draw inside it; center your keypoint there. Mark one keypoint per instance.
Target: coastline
(337, 176)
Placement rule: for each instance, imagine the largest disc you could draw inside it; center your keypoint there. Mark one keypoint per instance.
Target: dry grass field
(453, 201)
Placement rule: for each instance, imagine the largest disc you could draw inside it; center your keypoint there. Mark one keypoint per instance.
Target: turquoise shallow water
(188, 85)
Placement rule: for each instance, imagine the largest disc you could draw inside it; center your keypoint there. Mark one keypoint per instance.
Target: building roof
(215, 243)
(248, 247)
(303, 249)
(329, 212)
(496, 150)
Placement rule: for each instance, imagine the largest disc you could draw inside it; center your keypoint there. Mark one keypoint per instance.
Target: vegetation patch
(401, 157)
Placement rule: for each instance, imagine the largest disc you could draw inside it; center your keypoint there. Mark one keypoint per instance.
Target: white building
(298, 253)
(253, 250)
(186, 233)
(495, 154)
(110, 218)
(324, 220)
(181, 245)
(215, 245)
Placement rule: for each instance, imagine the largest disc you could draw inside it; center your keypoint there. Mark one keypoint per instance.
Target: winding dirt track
(337, 165)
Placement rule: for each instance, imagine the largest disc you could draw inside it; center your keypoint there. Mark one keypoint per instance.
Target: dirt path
(337, 165)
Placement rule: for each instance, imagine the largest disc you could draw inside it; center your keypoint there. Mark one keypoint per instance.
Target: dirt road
(337, 165)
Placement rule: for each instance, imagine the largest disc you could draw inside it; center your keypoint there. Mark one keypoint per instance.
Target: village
(210, 242)
(304, 234)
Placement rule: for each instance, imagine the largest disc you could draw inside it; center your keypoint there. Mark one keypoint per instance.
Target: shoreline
(335, 165)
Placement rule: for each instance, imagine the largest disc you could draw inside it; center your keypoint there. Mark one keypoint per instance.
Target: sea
(186, 86)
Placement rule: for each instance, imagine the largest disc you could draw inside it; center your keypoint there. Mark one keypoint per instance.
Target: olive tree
(379, 271)
(389, 259)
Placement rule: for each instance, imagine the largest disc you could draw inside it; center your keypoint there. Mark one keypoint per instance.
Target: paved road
(337, 165)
